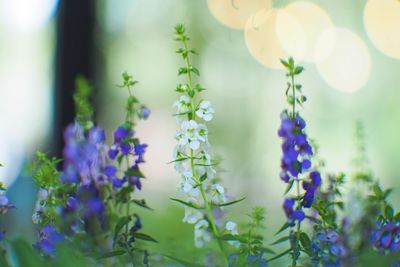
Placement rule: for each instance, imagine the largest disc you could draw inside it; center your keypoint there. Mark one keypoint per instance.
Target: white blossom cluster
(193, 142)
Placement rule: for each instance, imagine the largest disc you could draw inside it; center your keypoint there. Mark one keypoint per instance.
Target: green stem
(128, 206)
(192, 163)
(128, 249)
(296, 248)
(294, 96)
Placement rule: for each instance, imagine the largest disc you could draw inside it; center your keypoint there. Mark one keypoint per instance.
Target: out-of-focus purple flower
(291, 214)
(311, 188)
(49, 238)
(262, 262)
(387, 237)
(133, 180)
(110, 171)
(118, 183)
(139, 151)
(144, 112)
(4, 204)
(137, 226)
(72, 204)
(122, 136)
(295, 147)
(94, 206)
(84, 155)
(113, 152)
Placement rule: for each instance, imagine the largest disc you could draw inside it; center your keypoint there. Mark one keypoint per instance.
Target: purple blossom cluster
(126, 145)
(296, 161)
(295, 147)
(328, 248)
(84, 155)
(291, 213)
(84, 165)
(49, 238)
(387, 237)
(5, 206)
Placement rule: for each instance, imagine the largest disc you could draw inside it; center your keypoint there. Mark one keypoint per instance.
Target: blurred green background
(137, 36)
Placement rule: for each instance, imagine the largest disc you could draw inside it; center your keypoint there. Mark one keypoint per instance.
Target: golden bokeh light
(382, 23)
(290, 34)
(313, 20)
(235, 13)
(348, 66)
(262, 38)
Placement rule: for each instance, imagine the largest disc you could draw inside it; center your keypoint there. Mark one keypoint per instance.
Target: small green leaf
(134, 172)
(141, 203)
(284, 63)
(289, 186)
(189, 204)
(280, 255)
(111, 254)
(389, 212)
(230, 203)
(203, 177)
(285, 226)
(229, 237)
(182, 70)
(280, 240)
(3, 260)
(195, 71)
(143, 237)
(298, 70)
(184, 262)
(178, 160)
(120, 224)
(268, 250)
(305, 240)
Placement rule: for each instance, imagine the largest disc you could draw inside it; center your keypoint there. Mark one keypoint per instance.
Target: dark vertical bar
(74, 56)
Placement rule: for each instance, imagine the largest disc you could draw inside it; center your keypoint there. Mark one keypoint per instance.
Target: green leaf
(203, 177)
(298, 70)
(111, 254)
(389, 212)
(3, 260)
(289, 186)
(230, 237)
(397, 216)
(280, 240)
(195, 71)
(268, 250)
(179, 159)
(120, 224)
(314, 220)
(143, 237)
(305, 240)
(284, 63)
(141, 203)
(184, 262)
(230, 203)
(189, 204)
(182, 70)
(26, 255)
(285, 226)
(134, 172)
(280, 255)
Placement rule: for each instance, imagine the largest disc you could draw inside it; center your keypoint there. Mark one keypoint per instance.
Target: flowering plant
(87, 211)
(83, 202)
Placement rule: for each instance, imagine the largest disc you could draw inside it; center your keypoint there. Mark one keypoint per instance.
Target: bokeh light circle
(27, 15)
(313, 20)
(262, 36)
(382, 23)
(348, 66)
(290, 34)
(235, 13)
